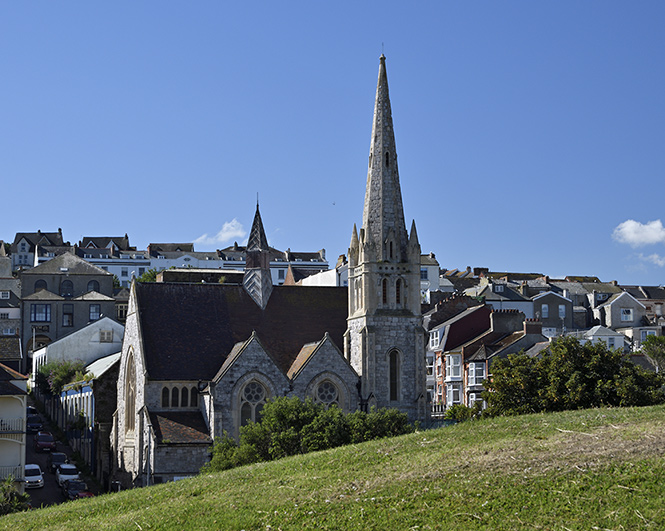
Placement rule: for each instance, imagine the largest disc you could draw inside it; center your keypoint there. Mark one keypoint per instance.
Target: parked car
(55, 460)
(74, 489)
(34, 423)
(31, 411)
(66, 472)
(33, 477)
(44, 442)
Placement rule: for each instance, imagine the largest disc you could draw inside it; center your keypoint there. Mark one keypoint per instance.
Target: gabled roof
(190, 329)
(105, 242)
(551, 294)
(599, 330)
(7, 374)
(170, 247)
(180, 427)
(93, 296)
(38, 238)
(617, 296)
(66, 264)
(43, 295)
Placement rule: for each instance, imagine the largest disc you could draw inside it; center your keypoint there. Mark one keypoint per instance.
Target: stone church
(199, 360)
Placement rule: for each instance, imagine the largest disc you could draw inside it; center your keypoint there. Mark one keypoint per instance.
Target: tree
(150, 275)
(11, 500)
(653, 347)
(52, 376)
(570, 375)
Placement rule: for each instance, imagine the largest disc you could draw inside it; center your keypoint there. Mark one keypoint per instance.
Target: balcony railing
(15, 425)
(16, 471)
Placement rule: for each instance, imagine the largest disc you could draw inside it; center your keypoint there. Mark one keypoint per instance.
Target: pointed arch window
(252, 399)
(184, 397)
(387, 159)
(384, 291)
(130, 394)
(165, 397)
(175, 395)
(394, 374)
(194, 402)
(398, 291)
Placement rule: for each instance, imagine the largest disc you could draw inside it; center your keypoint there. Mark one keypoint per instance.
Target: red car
(74, 489)
(44, 442)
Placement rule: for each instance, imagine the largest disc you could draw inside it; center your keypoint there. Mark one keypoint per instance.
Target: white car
(65, 472)
(33, 477)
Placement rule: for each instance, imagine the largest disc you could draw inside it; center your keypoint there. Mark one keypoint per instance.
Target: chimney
(533, 326)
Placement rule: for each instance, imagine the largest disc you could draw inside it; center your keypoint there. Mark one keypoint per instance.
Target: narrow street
(50, 493)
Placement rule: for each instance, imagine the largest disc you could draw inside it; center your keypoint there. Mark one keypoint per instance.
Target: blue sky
(530, 135)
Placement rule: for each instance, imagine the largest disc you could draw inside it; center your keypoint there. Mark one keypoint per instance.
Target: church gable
(320, 372)
(246, 381)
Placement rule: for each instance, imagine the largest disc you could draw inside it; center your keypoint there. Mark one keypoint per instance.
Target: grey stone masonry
(385, 338)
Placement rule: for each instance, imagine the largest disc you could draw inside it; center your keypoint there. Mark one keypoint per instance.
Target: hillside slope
(593, 469)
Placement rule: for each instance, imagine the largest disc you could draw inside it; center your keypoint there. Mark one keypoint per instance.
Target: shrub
(11, 500)
(290, 426)
(570, 375)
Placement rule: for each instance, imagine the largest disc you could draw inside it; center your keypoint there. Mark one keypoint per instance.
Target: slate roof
(171, 247)
(7, 388)
(180, 427)
(38, 238)
(69, 261)
(93, 296)
(190, 329)
(10, 348)
(103, 242)
(303, 357)
(43, 295)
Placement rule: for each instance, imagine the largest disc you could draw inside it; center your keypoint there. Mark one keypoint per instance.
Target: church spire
(257, 236)
(257, 280)
(383, 214)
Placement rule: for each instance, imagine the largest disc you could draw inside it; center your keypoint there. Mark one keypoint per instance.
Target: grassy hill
(596, 469)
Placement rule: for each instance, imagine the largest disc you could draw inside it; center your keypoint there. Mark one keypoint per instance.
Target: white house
(13, 403)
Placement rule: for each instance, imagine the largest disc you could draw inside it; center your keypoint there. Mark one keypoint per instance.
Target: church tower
(385, 341)
(257, 280)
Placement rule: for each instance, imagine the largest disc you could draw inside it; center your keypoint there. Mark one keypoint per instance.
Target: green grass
(596, 469)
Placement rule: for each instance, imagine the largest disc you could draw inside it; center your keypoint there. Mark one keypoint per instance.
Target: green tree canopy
(570, 375)
(52, 376)
(654, 348)
(290, 426)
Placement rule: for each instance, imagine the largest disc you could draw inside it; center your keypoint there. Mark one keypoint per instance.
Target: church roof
(180, 427)
(190, 329)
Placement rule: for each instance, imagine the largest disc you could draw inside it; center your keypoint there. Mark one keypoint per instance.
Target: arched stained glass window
(130, 394)
(175, 395)
(252, 399)
(394, 374)
(165, 397)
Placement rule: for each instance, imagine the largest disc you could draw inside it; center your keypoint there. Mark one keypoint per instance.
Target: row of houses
(50, 289)
(115, 255)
